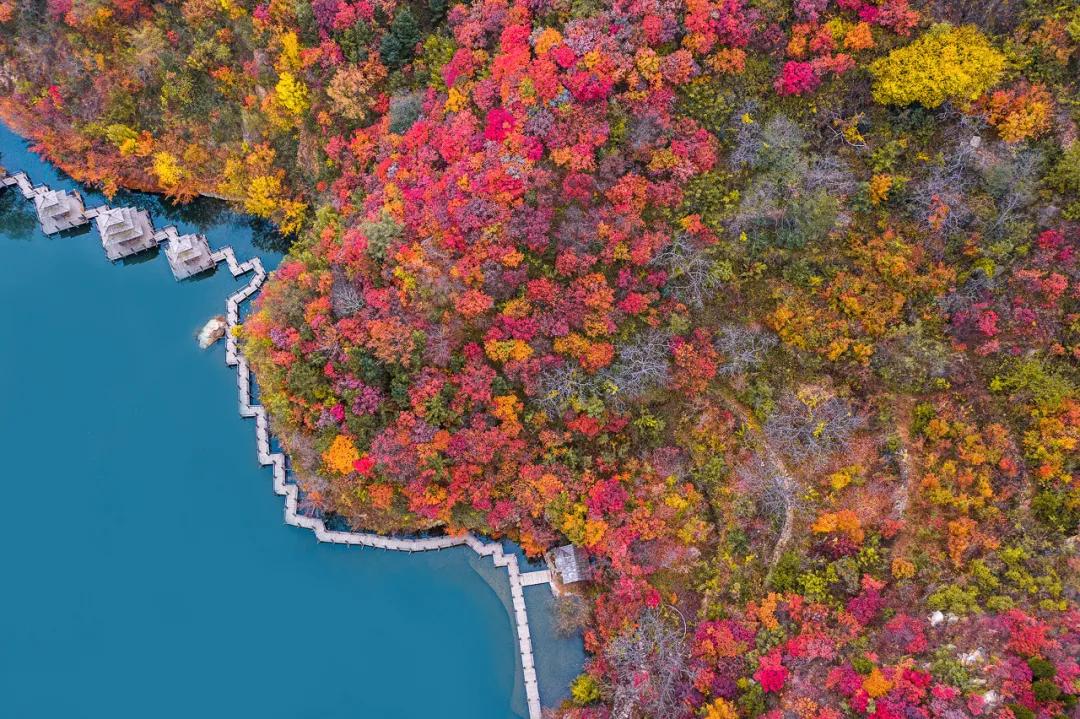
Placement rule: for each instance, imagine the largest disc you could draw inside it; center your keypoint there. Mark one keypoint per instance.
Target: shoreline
(282, 487)
(12, 117)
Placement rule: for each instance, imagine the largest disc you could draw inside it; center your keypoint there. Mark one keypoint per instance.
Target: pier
(126, 231)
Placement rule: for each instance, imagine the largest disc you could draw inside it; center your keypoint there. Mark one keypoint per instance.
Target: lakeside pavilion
(188, 255)
(59, 210)
(572, 564)
(125, 231)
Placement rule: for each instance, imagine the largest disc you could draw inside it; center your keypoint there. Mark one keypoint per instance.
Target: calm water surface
(146, 568)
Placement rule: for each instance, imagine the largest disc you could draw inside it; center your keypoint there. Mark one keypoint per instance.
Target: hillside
(771, 307)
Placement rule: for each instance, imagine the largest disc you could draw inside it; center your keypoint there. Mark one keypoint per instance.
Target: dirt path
(773, 463)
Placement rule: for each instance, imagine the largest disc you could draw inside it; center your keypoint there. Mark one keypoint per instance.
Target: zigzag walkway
(276, 460)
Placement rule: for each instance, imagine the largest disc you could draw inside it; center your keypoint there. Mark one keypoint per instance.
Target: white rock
(936, 618)
(212, 331)
(970, 658)
(991, 698)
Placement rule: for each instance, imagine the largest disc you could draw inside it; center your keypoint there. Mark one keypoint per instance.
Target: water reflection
(17, 218)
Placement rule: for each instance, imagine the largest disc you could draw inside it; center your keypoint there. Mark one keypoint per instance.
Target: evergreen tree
(399, 43)
(305, 21)
(438, 9)
(355, 42)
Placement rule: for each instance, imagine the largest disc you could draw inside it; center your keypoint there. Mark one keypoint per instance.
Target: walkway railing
(276, 460)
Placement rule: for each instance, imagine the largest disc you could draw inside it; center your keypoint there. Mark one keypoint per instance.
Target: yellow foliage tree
(123, 137)
(263, 195)
(845, 521)
(902, 568)
(171, 175)
(1020, 112)
(292, 93)
(876, 684)
(341, 454)
(880, 185)
(721, 709)
(255, 181)
(291, 217)
(946, 63)
(289, 59)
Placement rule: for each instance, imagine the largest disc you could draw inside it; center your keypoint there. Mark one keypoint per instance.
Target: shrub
(404, 111)
(1045, 690)
(1040, 668)
(785, 575)
(1065, 179)
(862, 665)
(1020, 112)
(946, 668)
(1057, 510)
(954, 599)
(585, 690)
(946, 63)
(1036, 379)
(1021, 712)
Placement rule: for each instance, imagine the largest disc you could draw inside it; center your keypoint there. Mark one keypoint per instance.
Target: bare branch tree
(345, 297)
(791, 196)
(742, 347)
(993, 16)
(978, 287)
(747, 140)
(303, 459)
(562, 384)
(809, 429)
(910, 357)
(837, 124)
(643, 364)
(1010, 178)
(777, 495)
(692, 273)
(947, 185)
(780, 149)
(574, 230)
(650, 664)
(773, 490)
(830, 173)
(404, 110)
(572, 614)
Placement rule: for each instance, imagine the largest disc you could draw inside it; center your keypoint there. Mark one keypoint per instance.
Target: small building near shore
(188, 255)
(571, 564)
(59, 210)
(125, 231)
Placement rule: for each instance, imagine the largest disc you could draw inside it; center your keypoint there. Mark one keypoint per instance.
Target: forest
(771, 307)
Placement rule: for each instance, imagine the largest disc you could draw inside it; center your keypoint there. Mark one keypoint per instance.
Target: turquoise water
(146, 568)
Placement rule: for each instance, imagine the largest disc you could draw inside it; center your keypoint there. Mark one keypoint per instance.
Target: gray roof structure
(59, 210)
(188, 255)
(572, 564)
(125, 231)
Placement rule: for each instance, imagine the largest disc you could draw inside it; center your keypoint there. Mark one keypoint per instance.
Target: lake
(147, 570)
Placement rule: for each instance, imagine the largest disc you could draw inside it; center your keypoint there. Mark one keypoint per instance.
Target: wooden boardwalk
(277, 461)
